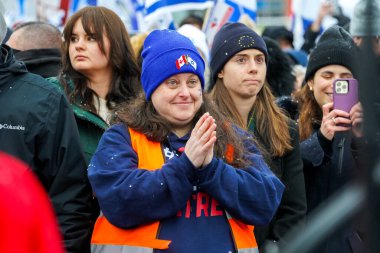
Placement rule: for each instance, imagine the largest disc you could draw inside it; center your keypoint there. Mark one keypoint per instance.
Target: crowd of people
(157, 143)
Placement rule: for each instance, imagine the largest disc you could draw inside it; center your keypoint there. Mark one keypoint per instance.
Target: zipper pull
(341, 152)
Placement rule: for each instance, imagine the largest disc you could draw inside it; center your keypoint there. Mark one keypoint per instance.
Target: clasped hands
(200, 146)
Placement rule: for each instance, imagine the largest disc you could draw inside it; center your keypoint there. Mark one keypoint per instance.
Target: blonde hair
(137, 42)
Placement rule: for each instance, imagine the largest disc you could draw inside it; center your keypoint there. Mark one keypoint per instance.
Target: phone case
(345, 97)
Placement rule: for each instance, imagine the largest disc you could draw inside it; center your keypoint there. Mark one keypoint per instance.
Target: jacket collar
(79, 112)
(9, 66)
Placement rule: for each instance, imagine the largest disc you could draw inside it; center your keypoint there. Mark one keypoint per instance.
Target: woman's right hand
(333, 121)
(199, 147)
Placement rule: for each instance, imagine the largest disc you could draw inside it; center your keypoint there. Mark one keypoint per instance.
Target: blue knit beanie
(167, 53)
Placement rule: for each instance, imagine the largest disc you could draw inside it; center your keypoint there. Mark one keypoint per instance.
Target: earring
(310, 88)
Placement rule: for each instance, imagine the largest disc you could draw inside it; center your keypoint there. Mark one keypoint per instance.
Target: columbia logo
(12, 127)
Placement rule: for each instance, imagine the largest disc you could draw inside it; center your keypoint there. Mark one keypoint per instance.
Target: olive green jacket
(91, 127)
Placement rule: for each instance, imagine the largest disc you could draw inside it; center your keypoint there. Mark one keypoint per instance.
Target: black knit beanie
(335, 47)
(229, 40)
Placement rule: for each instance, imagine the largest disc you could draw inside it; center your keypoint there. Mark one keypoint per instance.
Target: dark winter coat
(325, 175)
(292, 209)
(37, 126)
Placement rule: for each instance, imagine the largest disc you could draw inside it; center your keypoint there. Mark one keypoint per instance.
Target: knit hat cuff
(232, 45)
(168, 63)
(327, 57)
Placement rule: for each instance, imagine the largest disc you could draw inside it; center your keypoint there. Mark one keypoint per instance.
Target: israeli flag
(78, 4)
(156, 8)
(228, 11)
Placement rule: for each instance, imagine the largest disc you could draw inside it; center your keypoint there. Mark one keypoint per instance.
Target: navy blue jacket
(189, 202)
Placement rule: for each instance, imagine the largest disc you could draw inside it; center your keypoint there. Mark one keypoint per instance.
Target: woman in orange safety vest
(173, 175)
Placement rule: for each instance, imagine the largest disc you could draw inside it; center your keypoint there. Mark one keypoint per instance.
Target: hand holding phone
(345, 94)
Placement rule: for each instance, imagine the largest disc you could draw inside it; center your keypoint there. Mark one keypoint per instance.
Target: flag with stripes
(228, 11)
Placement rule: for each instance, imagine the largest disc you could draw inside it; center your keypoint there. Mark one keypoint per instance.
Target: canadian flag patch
(185, 59)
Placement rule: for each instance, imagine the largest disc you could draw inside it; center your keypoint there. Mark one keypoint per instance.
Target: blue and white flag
(228, 11)
(155, 8)
(157, 14)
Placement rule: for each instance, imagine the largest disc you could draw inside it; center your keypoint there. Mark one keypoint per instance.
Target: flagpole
(206, 18)
(64, 5)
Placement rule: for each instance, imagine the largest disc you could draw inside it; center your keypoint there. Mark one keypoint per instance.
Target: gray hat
(366, 17)
(3, 28)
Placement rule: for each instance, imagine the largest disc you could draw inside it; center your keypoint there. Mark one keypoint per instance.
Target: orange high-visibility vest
(107, 238)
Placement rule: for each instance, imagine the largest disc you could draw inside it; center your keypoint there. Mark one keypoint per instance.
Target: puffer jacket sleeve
(62, 169)
(128, 194)
(251, 195)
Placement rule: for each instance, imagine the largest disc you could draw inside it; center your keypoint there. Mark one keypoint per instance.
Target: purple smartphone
(345, 93)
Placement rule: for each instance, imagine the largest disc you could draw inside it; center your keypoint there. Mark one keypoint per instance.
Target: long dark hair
(141, 116)
(125, 83)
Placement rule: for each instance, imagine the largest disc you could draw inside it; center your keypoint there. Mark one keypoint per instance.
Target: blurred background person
(285, 38)
(240, 90)
(327, 9)
(192, 19)
(198, 37)
(38, 45)
(299, 71)
(38, 127)
(281, 78)
(361, 21)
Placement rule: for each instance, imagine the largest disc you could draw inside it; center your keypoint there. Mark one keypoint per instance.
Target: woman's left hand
(199, 147)
(356, 115)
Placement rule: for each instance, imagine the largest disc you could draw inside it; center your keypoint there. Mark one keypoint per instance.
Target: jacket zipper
(341, 152)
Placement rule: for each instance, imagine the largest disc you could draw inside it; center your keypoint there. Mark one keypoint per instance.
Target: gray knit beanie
(366, 17)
